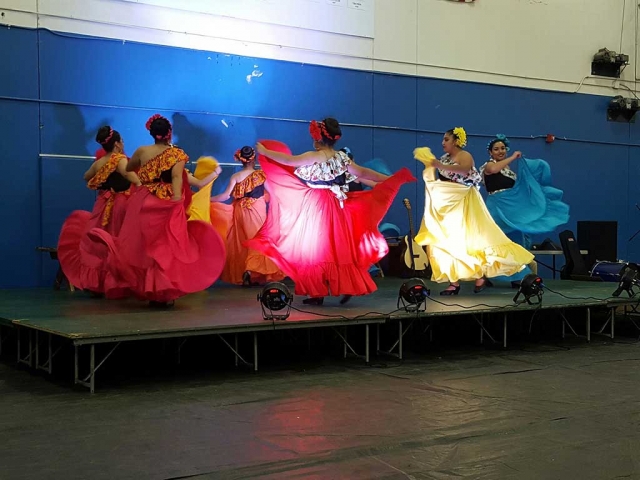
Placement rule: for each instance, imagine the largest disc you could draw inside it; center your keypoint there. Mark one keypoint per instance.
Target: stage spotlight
(530, 286)
(413, 294)
(628, 278)
(275, 296)
(622, 109)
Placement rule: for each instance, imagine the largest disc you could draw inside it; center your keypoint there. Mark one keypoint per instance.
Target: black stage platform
(43, 321)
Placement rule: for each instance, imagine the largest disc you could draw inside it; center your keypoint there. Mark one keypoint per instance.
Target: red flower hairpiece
(151, 119)
(109, 137)
(315, 129)
(165, 137)
(319, 131)
(240, 158)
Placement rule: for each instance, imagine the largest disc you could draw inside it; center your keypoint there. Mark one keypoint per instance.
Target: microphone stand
(635, 234)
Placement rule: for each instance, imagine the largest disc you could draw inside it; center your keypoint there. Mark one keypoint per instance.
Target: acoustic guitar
(415, 257)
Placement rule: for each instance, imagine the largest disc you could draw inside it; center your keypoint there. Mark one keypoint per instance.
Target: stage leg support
(28, 359)
(366, 343)
(48, 365)
(611, 320)
(398, 342)
(348, 348)
(255, 351)
(90, 380)
(484, 331)
(344, 347)
(566, 323)
(235, 350)
(504, 330)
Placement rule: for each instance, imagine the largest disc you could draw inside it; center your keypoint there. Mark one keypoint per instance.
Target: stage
(44, 321)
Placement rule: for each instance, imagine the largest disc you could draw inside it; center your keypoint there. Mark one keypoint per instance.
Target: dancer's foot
(313, 301)
(246, 279)
(154, 304)
(452, 289)
(345, 299)
(481, 284)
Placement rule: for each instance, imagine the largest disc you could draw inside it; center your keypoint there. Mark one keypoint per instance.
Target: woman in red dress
(158, 255)
(246, 266)
(317, 232)
(81, 259)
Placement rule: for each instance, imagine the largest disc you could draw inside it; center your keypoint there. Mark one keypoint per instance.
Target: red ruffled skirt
(325, 249)
(159, 255)
(81, 261)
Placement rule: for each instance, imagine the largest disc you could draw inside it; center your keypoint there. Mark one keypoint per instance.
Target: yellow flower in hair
(461, 137)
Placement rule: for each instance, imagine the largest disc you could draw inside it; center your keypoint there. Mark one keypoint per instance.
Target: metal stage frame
(45, 321)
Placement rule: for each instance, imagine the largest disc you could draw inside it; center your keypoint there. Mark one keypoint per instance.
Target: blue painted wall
(56, 90)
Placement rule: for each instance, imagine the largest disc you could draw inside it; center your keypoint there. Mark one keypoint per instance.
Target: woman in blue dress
(524, 202)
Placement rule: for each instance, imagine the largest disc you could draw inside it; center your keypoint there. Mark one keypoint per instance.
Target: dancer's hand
(218, 170)
(517, 154)
(261, 149)
(176, 199)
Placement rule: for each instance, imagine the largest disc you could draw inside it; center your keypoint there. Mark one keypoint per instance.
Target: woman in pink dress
(317, 232)
(81, 259)
(158, 255)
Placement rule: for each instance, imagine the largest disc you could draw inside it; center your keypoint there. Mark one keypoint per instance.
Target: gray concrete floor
(562, 411)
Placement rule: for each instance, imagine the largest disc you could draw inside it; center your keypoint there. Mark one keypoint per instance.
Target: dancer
(159, 256)
(464, 243)
(320, 236)
(80, 258)
(523, 202)
(246, 266)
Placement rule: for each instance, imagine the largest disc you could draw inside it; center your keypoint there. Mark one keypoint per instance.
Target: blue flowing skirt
(532, 206)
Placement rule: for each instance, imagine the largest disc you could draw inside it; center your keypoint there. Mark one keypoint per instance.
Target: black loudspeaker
(600, 239)
(574, 267)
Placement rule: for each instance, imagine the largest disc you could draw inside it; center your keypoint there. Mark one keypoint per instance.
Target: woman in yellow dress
(464, 242)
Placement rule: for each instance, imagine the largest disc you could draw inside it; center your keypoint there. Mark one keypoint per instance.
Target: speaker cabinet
(600, 239)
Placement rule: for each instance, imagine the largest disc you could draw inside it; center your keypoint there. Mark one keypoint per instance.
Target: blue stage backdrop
(56, 90)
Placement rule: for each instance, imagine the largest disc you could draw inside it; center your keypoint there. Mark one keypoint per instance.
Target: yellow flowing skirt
(464, 242)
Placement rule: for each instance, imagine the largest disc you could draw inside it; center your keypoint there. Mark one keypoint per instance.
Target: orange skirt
(245, 224)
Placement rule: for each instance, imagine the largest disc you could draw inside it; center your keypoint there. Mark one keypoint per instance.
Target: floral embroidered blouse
(250, 189)
(156, 173)
(109, 180)
(471, 178)
(332, 174)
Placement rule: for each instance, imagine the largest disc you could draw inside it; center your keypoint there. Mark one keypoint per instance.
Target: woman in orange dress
(82, 260)
(246, 266)
(158, 255)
